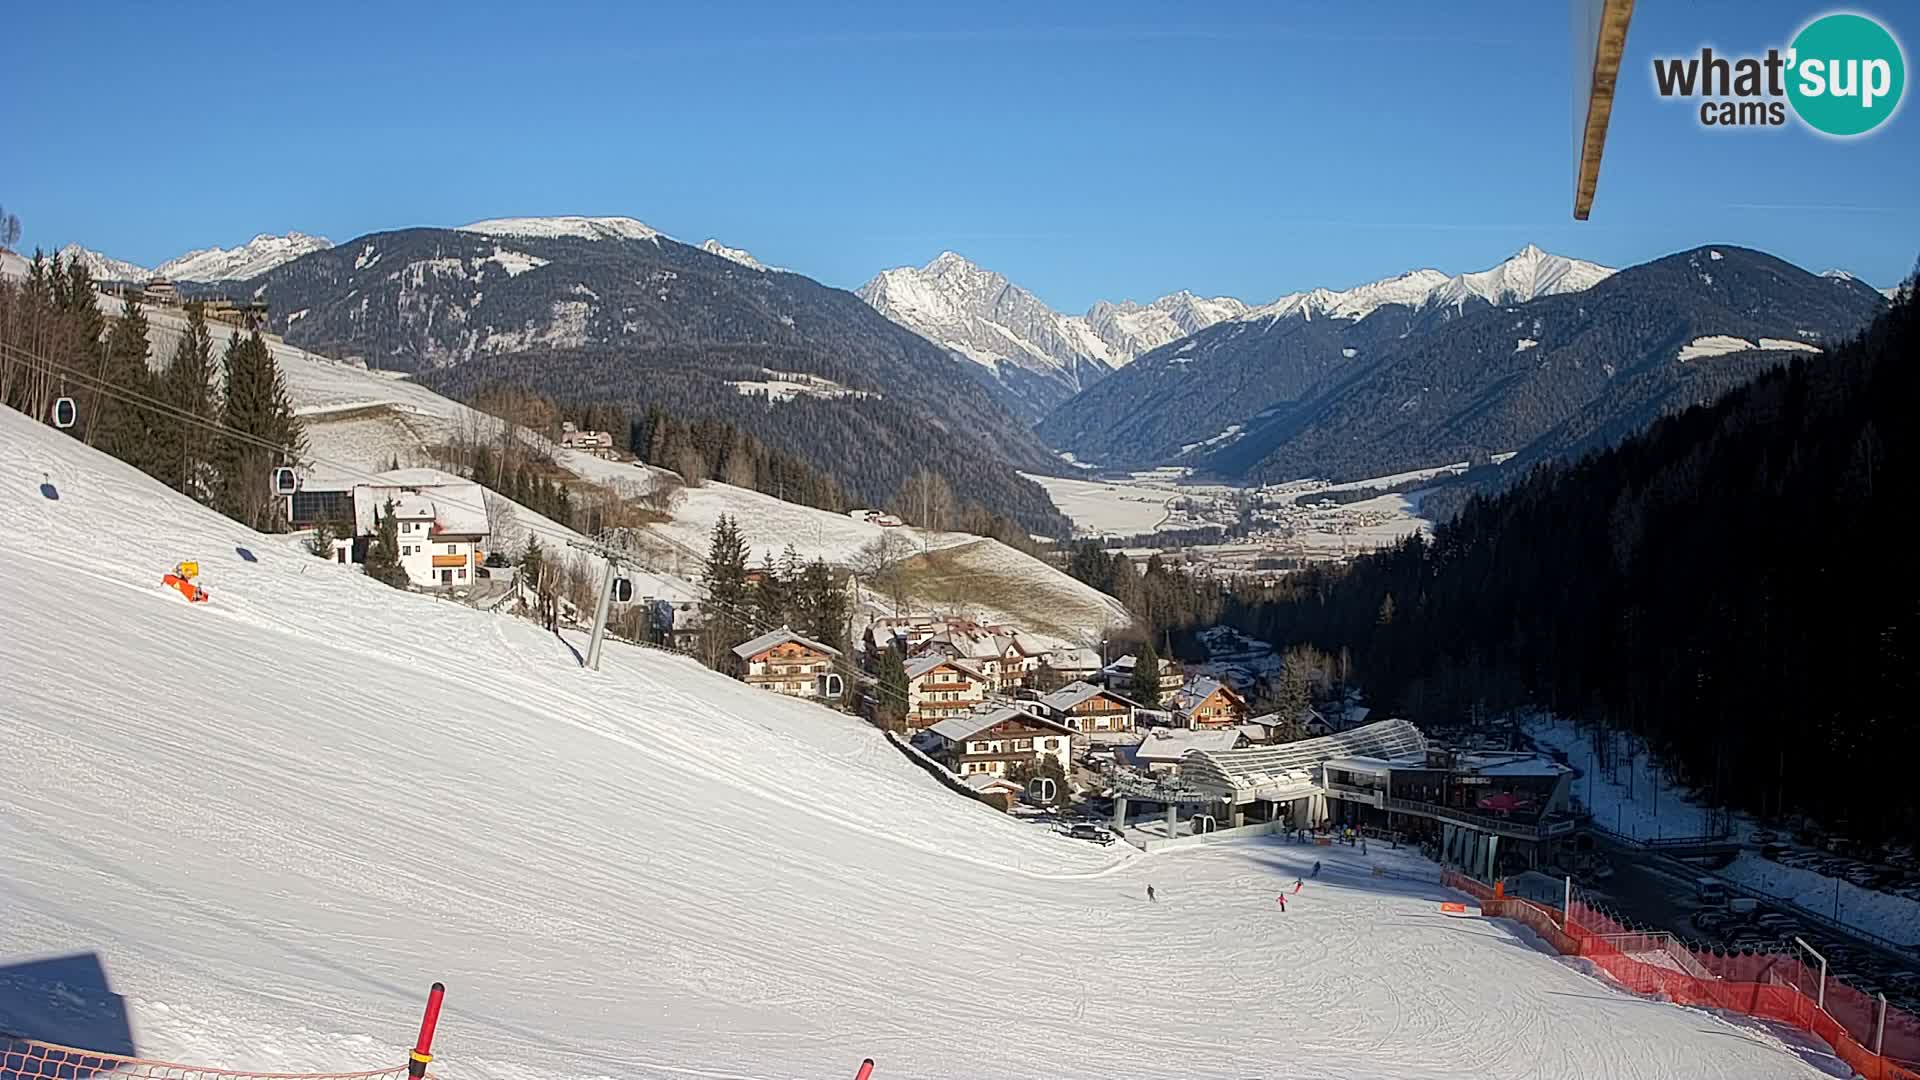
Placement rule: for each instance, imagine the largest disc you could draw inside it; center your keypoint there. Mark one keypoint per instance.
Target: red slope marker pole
(866, 1070)
(423, 1048)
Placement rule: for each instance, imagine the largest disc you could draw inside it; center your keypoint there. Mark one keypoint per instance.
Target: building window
(453, 549)
(463, 573)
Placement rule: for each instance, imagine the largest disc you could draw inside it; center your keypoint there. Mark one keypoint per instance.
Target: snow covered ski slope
(275, 817)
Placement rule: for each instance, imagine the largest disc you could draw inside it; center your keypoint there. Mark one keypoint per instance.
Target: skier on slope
(1316, 868)
(1283, 903)
(1296, 886)
(1150, 892)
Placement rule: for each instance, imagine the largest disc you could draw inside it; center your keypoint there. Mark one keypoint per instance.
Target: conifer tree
(383, 555)
(1145, 687)
(183, 447)
(727, 601)
(890, 696)
(259, 434)
(822, 605)
(123, 427)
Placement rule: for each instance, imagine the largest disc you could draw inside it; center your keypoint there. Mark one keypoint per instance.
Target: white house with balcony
(440, 524)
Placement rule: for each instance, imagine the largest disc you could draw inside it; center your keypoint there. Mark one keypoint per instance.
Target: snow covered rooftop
(780, 637)
(920, 665)
(969, 724)
(1074, 693)
(1172, 744)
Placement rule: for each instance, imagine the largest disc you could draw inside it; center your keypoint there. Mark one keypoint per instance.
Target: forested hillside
(1734, 585)
(608, 310)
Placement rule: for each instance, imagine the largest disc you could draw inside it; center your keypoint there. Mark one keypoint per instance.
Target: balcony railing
(1502, 826)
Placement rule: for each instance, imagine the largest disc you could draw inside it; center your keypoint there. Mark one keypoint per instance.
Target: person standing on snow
(1283, 903)
(1316, 868)
(1150, 892)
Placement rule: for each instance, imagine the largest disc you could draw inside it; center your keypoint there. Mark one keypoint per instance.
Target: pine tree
(823, 605)
(320, 544)
(890, 696)
(183, 439)
(123, 427)
(1145, 687)
(79, 346)
(383, 555)
(727, 599)
(260, 433)
(773, 599)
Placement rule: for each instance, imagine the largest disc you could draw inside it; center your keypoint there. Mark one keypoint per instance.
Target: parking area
(1659, 893)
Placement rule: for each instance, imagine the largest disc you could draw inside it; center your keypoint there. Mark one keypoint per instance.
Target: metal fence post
(1880, 1026)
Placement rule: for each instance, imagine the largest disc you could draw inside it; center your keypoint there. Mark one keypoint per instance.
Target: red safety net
(1773, 986)
(23, 1058)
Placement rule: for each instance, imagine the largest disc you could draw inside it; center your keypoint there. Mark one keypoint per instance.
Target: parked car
(496, 561)
(1711, 921)
(1087, 830)
(1711, 892)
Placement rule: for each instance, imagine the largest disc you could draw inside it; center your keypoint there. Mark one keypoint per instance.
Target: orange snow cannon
(181, 578)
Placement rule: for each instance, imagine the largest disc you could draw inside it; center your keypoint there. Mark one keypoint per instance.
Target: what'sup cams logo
(1842, 76)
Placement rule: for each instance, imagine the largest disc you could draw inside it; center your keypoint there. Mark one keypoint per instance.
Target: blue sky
(1086, 150)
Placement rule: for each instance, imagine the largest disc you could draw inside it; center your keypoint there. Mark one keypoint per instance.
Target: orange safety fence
(1772, 986)
(23, 1058)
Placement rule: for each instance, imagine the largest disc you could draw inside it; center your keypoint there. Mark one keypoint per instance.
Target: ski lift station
(1478, 808)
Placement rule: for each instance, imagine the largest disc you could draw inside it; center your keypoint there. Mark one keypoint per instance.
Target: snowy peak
(733, 254)
(1411, 289)
(1529, 274)
(979, 314)
(104, 267)
(582, 228)
(251, 259)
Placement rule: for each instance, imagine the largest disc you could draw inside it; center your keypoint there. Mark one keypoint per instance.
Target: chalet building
(436, 555)
(938, 687)
(1001, 653)
(786, 663)
(1091, 710)
(1207, 703)
(996, 791)
(991, 740)
(597, 443)
(440, 524)
(1119, 674)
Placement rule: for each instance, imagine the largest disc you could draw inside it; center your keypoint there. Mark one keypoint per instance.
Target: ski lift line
(141, 401)
(138, 400)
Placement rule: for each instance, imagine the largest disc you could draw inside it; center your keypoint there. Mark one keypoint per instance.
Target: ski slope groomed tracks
(277, 816)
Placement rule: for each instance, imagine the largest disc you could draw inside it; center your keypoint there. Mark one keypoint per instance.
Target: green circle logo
(1846, 74)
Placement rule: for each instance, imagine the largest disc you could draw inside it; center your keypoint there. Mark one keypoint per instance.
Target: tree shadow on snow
(63, 1000)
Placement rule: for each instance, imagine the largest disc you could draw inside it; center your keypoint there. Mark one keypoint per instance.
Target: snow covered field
(277, 816)
(1009, 585)
(1102, 507)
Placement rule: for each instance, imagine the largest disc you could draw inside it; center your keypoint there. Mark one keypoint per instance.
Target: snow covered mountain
(1528, 273)
(1428, 367)
(220, 816)
(251, 259)
(1033, 355)
(733, 254)
(579, 228)
(104, 267)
